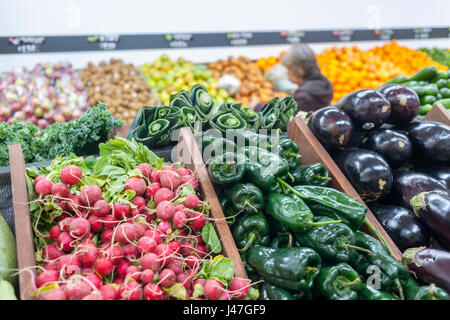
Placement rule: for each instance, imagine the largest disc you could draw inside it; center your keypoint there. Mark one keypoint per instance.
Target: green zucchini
(423, 110)
(445, 93)
(431, 89)
(444, 102)
(6, 290)
(8, 254)
(397, 80)
(428, 99)
(425, 74)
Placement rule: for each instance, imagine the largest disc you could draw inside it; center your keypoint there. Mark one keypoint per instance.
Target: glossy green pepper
(290, 268)
(244, 137)
(392, 274)
(338, 282)
(246, 197)
(250, 270)
(276, 226)
(368, 292)
(334, 242)
(315, 174)
(288, 150)
(332, 203)
(292, 212)
(431, 292)
(213, 146)
(282, 240)
(250, 230)
(228, 210)
(226, 169)
(272, 292)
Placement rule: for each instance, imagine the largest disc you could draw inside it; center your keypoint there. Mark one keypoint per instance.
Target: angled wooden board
(438, 113)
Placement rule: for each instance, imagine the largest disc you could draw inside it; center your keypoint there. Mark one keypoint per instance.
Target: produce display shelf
(313, 151)
(187, 153)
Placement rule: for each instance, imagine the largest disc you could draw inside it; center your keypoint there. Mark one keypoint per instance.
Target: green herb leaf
(210, 237)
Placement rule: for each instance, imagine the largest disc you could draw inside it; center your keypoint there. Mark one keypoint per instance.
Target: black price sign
(105, 42)
(293, 36)
(422, 33)
(27, 44)
(239, 38)
(343, 35)
(179, 40)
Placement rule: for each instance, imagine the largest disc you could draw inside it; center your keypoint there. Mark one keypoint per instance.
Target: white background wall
(73, 17)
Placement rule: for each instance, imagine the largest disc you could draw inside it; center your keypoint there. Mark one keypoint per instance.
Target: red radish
(135, 213)
(68, 265)
(96, 225)
(175, 266)
(164, 253)
(192, 261)
(190, 180)
(174, 246)
(169, 179)
(151, 190)
(79, 227)
(101, 208)
(213, 289)
(81, 214)
(147, 276)
(130, 291)
(121, 268)
(162, 194)
(62, 205)
(198, 221)
(104, 266)
(154, 176)
(51, 252)
(167, 278)
(88, 255)
(71, 174)
(64, 241)
(131, 251)
(164, 227)
(150, 261)
(87, 242)
(107, 235)
(65, 223)
(201, 250)
(125, 233)
(165, 210)
(134, 273)
(136, 184)
(198, 239)
(43, 187)
(120, 210)
(139, 202)
(154, 234)
(53, 294)
(225, 296)
(183, 171)
(180, 207)
(90, 195)
(179, 219)
(185, 280)
(36, 180)
(87, 270)
(51, 265)
(170, 168)
(146, 169)
(55, 231)
(187, 248)
(77, 289)
(192, 201)
(63, 216)
(146, 244)
(109, 292)
(59, 189)
(110, 222)
(47, 277)
(199, 281)
(94, 296)
(74, 203)
(94, 279)
(152, 292)
(118, 281)
(139, 229)
(114, 253)
(239, 288)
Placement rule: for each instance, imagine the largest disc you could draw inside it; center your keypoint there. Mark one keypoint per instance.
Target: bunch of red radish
(112, 251)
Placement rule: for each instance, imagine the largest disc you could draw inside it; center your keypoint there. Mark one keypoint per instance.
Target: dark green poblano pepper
(282, 240)
(338, 282)
(250, 230)
(288, 150)
(289, 268)
(315, 174)
(226, 169)
(272, 292)
(246, 197)
(368, 292)
(428, 292)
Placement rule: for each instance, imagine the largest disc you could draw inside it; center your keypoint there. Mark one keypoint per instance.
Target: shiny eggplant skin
(402, 226)
(332, 126)
(394, 146)
(433, 209)
(429, 265)
(407, 184)
(442, 174)
(367, 171)
(404, 102)
(431, 142)
(367, 108)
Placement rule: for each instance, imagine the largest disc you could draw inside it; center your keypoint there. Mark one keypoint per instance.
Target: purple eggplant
(429, 265)
(332, 126)
(442, 174)
(367, 108)
(404, 102)
(394, 146)
(433, 208)
(406, 230)
(367, 171)
(407, 184)
(431, 142)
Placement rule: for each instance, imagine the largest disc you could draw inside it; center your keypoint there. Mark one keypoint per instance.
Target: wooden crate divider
(438, 113)
(312, 151)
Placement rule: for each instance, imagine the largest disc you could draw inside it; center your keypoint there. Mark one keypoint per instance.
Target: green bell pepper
(393, 275)
(334, 242)
(288, 150)
(431, 292)
(292, 211)
(228, 209)
(290, 268)
(212, 146)
(226, 169)
(338, 282)
(332, 203)
(282, 240)
(272, 292)
(276, 226)
(246, 197)
(315, 174)
(368, 292)
(250, 230)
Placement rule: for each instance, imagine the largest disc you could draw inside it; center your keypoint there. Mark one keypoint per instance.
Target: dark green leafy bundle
(277, 113)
